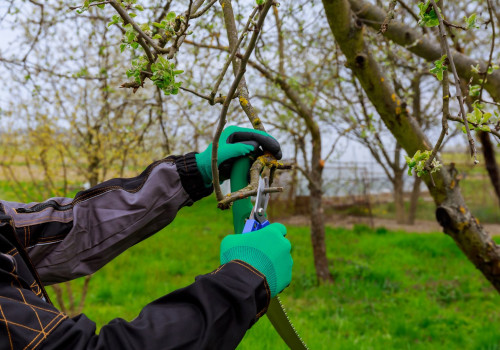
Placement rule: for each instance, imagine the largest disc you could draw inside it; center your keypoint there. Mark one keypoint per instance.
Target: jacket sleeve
(68, 238)
(212, 313)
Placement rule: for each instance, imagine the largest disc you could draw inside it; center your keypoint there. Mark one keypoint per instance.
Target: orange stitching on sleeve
(218, 269)
(7, 325)
(257, 272)
(35, 221)
(52, 241)
(35, 306)
(10, 251)
(43, 331)
(43, 239)
(39, 211)
(31, 307)
(21, 325)
(50, 330)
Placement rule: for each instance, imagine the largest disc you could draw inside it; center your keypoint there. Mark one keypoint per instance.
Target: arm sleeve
(68, 238)
(212, 313)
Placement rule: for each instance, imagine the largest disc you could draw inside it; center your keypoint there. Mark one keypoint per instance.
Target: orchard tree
(348, 20)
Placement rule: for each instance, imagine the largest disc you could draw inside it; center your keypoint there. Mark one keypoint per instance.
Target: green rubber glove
(267, 250)
(234, 143)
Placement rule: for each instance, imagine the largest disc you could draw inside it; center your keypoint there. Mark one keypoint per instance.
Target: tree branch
(234, 86)
(458, 86)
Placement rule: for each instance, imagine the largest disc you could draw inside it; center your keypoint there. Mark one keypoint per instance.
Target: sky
(350, 151)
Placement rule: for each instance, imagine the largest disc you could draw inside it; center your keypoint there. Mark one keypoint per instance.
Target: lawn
(393, 290)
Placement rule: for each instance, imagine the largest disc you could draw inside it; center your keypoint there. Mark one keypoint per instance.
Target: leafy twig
(476, 125)
(459, 94)
(126, 17)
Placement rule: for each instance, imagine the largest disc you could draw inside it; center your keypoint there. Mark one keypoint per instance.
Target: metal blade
(279, 319)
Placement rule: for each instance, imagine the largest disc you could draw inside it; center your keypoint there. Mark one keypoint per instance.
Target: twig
(208, 98)
(446, 113)
(232, 34)
(491, 103)
(449, 24)
(388, 18)
(492, 48)
(251, 190)
(476, 125)
(92, 4)
(123, 14)
(180, 37)
(457, 81)
(40, 27)
(203, 10)
(231, 56)
(227, 102)
(144, 39)
(444, 123)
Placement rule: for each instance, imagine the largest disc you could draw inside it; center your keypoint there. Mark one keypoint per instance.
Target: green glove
(267, 250)
(234, 143)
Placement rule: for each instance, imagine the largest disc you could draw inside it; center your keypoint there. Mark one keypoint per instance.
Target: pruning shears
(248, 218)
(257, 219)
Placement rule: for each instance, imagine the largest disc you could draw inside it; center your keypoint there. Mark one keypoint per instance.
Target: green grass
(393, 290)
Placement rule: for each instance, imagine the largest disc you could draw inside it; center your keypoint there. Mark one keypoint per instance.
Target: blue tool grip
(253, 225)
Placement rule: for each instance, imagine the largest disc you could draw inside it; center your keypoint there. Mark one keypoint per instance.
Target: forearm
(70, 238)
(212, 313)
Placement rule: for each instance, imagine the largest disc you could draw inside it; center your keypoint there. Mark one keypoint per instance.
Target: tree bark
(452, 212)
(490, 161)
(315, 174)
(292, 187)
(399, 201)
(318, 235)
(415, 194)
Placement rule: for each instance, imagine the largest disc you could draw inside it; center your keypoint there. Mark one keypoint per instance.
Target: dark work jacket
(62, 239)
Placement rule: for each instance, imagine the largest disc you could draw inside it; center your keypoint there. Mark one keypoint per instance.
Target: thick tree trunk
(318, 232)
(415, 194)
(452, 212)
(399, 201)
(292, 187)
(490, 161)
(315, 177)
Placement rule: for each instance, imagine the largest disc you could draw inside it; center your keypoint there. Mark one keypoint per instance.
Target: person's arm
(212, 313)
(68, 238)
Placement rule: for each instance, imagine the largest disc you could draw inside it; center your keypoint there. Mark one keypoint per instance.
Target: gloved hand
(234, 143)
(267, 250)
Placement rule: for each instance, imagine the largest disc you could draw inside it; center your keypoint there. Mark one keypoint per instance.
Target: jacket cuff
(253, 278)
(190, 175)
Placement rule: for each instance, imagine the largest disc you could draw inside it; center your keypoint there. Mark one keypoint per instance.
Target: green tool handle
(242, 207)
